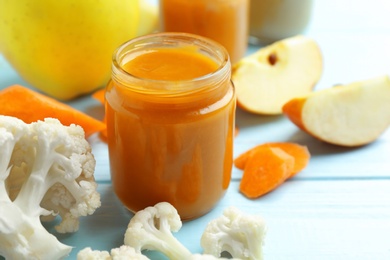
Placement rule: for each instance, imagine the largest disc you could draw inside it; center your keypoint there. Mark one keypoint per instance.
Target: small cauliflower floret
(89, 254)
(240, 235)
(151, 229)
(46, 169)
(121, 253)
(126, 252)
(209, 257)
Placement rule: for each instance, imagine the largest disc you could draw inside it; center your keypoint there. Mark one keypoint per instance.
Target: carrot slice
(265, 170)
(300, 153)
(99, 95)
(31, 106)
(240, 161)
(236, 131)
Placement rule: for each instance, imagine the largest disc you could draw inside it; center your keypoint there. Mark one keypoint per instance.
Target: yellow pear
(64, 48)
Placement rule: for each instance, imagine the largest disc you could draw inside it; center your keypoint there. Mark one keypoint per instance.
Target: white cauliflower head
(120, 253)
(126, 252)
(89, 254)
(236, 233)
(46, 169)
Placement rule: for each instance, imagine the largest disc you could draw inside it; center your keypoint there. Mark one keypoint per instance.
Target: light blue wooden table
(338, 208)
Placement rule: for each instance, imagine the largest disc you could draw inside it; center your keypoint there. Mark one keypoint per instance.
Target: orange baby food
(170, 121)
(225, 21)
(170, 64)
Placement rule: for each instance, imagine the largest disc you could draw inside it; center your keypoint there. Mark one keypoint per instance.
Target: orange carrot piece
(99, 95)
(236, 131)
(265, 170)
(103, 133)
(300, 153)
(31, 106)
(240, 161)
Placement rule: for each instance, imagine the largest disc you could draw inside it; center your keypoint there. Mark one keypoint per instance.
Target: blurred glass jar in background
(225, 21)
(273, 20)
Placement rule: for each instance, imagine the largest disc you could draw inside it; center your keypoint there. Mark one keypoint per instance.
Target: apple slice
(348, 115)
(273, 75)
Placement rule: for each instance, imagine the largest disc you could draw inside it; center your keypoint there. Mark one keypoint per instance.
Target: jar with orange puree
(170, 117)
(225, 21)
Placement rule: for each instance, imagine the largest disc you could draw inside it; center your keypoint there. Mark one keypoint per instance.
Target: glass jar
(225, 21)
(170, 139)
(273, 20)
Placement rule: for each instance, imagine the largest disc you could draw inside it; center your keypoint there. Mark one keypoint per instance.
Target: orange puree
(170, 146)
(225, 21)
(170, 64)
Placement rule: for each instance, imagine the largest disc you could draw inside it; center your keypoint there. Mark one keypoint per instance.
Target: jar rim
(168, 87)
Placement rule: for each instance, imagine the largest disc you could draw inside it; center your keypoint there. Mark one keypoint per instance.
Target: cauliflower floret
(121, 253)
(89, 254)
(126, 252)
(209, 257)
(151, 229)
(240, 235)
(46, 169)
